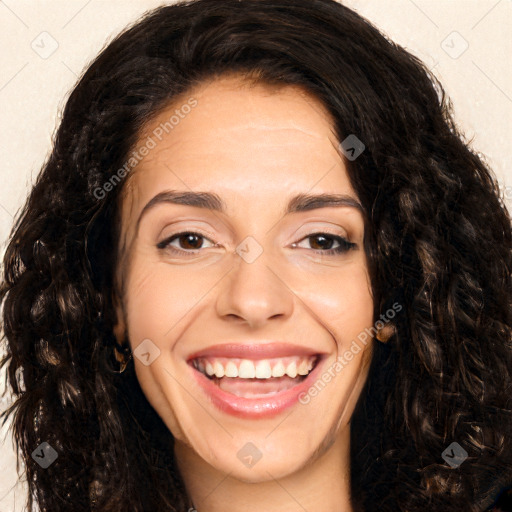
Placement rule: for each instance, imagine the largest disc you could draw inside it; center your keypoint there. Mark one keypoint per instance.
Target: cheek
(161, 298)
(344, 302)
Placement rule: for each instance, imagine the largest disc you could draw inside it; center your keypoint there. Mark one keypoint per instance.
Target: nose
(254, 293)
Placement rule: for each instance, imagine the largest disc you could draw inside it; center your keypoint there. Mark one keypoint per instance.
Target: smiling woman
(275, 317)
(252, 276)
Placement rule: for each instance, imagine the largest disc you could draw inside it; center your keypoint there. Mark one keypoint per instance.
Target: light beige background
(34, 84)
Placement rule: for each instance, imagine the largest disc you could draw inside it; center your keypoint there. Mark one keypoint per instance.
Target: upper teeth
(260, 369)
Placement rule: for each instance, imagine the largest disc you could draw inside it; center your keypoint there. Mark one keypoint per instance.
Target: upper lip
(255, 350)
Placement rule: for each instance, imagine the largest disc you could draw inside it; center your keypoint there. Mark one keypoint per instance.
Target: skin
(255, 147)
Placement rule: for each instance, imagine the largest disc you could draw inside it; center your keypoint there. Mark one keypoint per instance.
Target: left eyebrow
(211, 201)
(306, 202)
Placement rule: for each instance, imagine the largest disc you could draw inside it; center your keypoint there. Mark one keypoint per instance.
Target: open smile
(240, 380)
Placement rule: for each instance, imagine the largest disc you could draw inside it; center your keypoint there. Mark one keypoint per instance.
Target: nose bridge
(254, 291)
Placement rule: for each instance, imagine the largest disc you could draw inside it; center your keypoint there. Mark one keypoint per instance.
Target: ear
(384, 334)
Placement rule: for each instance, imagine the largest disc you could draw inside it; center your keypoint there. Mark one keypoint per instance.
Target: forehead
(250, 143)
(242, 134)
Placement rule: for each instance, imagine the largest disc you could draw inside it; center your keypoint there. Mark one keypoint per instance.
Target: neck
(321, 485)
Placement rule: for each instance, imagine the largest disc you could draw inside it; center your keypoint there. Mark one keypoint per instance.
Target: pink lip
(254, 351)
(253, 408)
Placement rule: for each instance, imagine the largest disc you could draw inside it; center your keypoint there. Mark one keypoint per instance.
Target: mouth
(255, 379)
(252, 385)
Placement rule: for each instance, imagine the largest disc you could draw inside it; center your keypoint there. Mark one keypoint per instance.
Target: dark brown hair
(438, 239)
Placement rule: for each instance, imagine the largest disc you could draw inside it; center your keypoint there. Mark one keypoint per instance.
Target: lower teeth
(257, 388)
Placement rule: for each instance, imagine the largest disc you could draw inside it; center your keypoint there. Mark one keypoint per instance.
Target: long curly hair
(438, 239)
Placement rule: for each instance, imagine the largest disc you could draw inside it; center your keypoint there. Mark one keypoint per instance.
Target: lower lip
(264, 407)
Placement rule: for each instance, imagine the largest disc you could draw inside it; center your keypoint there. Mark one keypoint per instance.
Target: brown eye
(187, 241)
(190, 241)
(324, 243)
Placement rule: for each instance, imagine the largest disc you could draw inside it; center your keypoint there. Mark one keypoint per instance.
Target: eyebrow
(211, 201)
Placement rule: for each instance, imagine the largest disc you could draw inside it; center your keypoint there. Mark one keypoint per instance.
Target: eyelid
(325, 232)
(345, 243)
(176, 229)
(336, 230)
(164, 243)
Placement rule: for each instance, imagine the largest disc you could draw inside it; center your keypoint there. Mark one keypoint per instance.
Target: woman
(260, 271)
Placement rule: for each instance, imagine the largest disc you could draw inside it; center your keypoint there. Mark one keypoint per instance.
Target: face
(243, 293)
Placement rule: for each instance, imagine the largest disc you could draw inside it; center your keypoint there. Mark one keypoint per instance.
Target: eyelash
(344, 244)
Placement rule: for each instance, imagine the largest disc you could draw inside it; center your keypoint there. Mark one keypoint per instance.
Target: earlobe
(385, 333)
